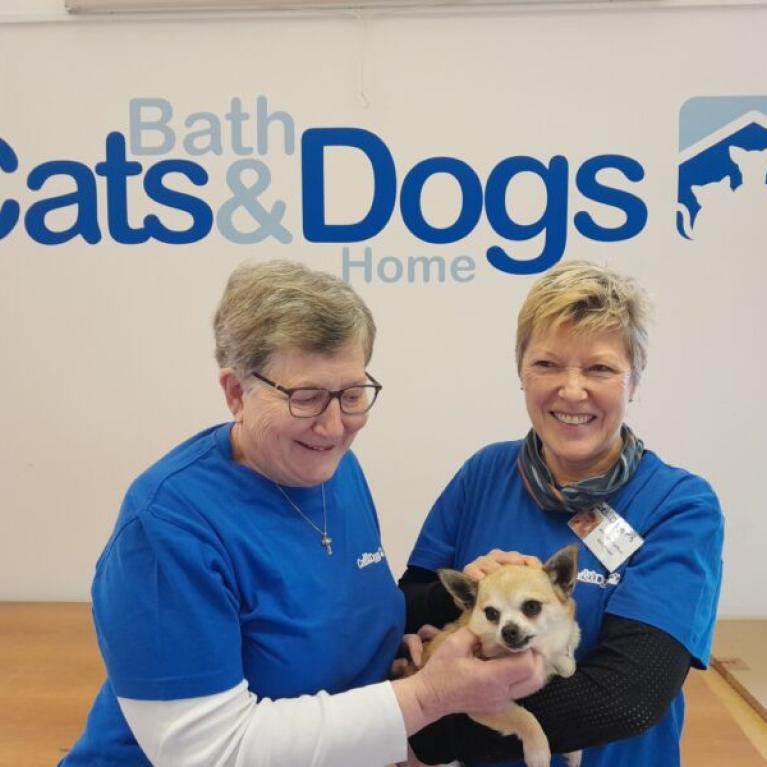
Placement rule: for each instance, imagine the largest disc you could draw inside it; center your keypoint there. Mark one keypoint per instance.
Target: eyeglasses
(309, 401)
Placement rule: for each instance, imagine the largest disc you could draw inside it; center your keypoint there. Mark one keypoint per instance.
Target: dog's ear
(562, 568)
(462, 588)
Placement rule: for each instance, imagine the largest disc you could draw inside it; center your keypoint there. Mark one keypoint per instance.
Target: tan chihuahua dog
(515, 608)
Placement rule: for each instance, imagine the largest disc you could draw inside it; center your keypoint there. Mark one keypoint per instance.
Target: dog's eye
(531, 608)
(492, 614)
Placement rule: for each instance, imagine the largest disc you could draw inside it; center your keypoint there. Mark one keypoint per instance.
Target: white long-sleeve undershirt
(233, 729)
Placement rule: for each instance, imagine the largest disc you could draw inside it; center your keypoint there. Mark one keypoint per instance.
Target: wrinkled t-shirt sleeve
(673, 581)
(166, 610)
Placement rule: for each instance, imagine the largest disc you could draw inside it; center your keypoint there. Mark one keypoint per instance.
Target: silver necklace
(325, 540)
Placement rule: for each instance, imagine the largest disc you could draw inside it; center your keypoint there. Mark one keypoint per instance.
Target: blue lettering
(84, 198)
(313, 143)
(497, 197)
(347, 264)
(116, 170)
(634, 209)
(263, 120)
(236, 118)
(471, 200)
(553, 220)
(9, 210)
(138, 126)
(394, 274)
(413, 269)
(202, 216)
(210, 132)
(247, 198)
(462, 269)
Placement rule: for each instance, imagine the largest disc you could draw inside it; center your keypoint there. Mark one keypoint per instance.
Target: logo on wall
(165, 178)
(722, 166)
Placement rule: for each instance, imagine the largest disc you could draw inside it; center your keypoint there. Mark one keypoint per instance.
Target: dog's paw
(573, 759)
(537, 757)
(565, 666)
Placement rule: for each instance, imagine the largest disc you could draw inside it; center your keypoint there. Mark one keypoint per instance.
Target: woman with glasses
(649, 534)
(244, 607)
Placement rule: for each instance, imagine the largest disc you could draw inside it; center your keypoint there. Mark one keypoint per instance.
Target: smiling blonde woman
(650, 569)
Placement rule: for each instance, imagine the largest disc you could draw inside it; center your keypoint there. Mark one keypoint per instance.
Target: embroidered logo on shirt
(597, 579)
(371, 558)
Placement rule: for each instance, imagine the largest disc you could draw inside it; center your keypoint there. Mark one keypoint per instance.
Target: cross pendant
(327, 542)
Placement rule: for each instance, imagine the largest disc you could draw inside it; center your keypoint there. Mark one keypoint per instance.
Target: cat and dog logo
(722, 165)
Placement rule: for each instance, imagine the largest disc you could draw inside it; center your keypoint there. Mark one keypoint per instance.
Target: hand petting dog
(496, 558)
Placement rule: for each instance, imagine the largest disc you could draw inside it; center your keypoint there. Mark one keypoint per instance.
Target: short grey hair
(279, 305)
(592, 299)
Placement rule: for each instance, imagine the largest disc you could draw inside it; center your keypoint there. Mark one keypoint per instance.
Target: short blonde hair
(282, 305)
(592, 299)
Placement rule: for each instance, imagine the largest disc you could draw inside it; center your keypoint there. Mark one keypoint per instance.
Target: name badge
(606, 534)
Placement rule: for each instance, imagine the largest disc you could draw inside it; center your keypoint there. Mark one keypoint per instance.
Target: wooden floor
(740, 656)
(50, 670)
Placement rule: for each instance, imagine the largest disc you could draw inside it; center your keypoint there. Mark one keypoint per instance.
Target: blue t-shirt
(211, 577)
(672, 582)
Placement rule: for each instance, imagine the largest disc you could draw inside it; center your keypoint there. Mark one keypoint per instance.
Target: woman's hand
(462, 682)
(454, 681)
(496, 558)
(411, 647)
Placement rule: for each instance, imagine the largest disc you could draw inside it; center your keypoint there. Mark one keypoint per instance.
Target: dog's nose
(511, 634)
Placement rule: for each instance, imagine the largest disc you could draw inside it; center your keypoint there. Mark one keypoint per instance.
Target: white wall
(107, 348)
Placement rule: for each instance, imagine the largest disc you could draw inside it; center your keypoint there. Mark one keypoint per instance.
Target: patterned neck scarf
(580, 495)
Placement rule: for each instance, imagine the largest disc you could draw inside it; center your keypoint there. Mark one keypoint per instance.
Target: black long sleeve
(426, 600)
(620, 690)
